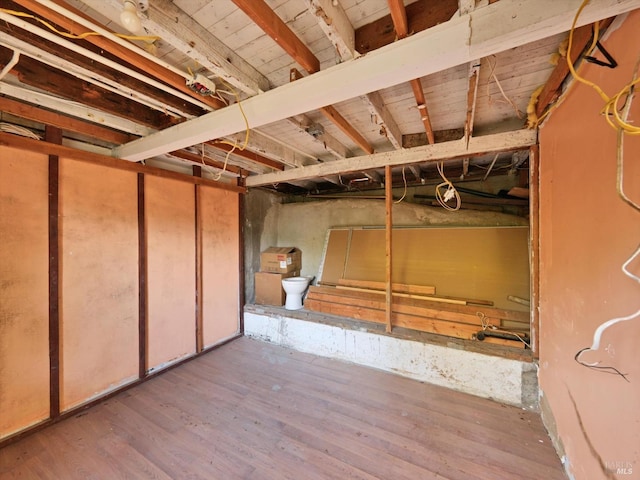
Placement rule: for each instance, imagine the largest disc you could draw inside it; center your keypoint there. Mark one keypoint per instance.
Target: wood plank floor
(252, 410)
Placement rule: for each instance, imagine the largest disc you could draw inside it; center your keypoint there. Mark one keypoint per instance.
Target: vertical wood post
(534, 222)
(54, 135)
(197, 172)
(142, 280)
(388, 195)
(241, 286)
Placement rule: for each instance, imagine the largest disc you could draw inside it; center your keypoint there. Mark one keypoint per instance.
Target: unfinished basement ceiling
(279, 59)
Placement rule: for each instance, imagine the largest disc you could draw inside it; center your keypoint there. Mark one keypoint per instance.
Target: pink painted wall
(586, 233)
(220, 264)
(171, 253)
(98, 280)
(24, 290)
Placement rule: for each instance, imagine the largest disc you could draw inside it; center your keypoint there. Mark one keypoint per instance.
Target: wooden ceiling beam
(472, 95)
(334, 116)
(262, 15)
(166, 20)
(416, 86)
(247, 154)
(499, 142)
(337, 27)
(330, 143)
(433, 50)
(31, 72)
(581, 40)
(42, 47)
(420, 16)
(399, 18)
(46, 117)
(75, 110)
(335, 24)
(273, 149)
(382, 117)
(199, 159)
(151, 68)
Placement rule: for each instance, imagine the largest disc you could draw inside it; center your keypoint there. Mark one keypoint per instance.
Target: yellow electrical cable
(611, 103)
(16, 13)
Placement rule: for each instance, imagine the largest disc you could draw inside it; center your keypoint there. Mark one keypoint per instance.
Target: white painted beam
(497, 27)
(426, 153)
(272, 148)
(382, 117)
(175, 27)
(74, 109)
(335, 24)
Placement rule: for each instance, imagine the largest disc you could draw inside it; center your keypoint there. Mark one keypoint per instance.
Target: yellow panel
(24, 290)
(220, 264)
(171, 257)
(480, 263)
(336, 256)
(99, 280)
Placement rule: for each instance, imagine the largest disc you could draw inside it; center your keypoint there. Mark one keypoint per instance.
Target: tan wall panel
(99, 280)
(170, 217)
(220, 264)
(24, 290)
(472, 262)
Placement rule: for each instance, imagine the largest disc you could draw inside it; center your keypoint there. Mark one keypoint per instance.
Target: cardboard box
(269, 287)
(281, 260)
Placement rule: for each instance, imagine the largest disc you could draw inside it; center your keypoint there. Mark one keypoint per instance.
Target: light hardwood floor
(257, 411)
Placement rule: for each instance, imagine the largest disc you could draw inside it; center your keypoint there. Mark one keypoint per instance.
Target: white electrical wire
(17, 130)
(450, 193)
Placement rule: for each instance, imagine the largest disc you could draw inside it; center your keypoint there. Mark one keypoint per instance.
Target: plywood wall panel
(484, 263)
(171, 270)
(24, 290)
(220, 263)
(99, 280)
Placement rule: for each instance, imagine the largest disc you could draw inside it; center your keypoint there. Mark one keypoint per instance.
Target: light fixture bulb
(129, 17)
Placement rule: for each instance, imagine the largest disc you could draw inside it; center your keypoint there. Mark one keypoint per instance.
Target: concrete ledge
(502, 379)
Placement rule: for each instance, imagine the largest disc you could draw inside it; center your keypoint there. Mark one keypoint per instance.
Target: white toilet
(294, 287)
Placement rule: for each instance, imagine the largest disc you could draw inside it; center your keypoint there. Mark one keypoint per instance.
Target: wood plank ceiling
(269, 64)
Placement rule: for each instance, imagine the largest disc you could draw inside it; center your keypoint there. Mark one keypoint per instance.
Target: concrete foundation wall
(504, 380)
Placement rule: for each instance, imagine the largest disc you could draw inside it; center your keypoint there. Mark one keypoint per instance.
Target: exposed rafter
(339, 121)
(171, 78)
(472, 94)
(335, 24)
(261, 14)
(46, 117)
(76, 110)
(382, 117)
(429, 153)
(497, 27)
(401, 26)
(271, 148)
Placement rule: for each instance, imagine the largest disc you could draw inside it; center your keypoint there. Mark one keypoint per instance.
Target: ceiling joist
(520, 139)
(497, 27)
